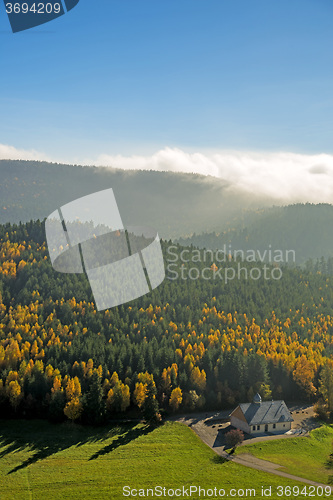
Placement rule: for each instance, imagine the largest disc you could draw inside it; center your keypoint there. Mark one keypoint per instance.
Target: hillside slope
(175, 204)
(305, 228)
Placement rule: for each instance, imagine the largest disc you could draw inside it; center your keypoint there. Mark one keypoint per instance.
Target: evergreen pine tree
(150, 406)
(93, 403)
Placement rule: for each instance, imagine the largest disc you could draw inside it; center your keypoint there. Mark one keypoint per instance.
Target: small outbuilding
(262, 416)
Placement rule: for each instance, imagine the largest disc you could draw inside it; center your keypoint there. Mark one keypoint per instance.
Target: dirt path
(208, 426)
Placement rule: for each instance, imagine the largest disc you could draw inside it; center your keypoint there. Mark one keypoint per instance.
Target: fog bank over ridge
(290, 177)
(281, 176)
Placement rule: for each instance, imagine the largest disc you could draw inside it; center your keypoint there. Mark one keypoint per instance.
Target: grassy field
(301, 456)
(39, 460)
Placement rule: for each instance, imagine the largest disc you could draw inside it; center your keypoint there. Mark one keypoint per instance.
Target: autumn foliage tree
(234, 438)
(176, 399)
(304, 375)
(118, 398)
(198, 378)
(14, 393)
(73, 409)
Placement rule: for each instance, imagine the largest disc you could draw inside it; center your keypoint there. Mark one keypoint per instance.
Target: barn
(260, 416)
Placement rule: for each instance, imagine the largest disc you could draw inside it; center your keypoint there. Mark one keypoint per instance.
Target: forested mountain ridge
(195, 343)
(198, 210)
(305, 228)
(176, 204)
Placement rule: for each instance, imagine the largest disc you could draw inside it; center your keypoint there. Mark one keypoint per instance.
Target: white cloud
(285, 176)
(282, 176)
(11, 153)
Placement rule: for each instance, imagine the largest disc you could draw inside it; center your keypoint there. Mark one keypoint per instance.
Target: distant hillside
(175, 204)
(305, 228)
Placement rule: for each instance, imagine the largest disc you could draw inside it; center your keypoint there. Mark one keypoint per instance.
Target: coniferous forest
(191, 344)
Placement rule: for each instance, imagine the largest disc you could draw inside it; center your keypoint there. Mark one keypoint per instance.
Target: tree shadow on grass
(44, 439)
(122, 440)
(219, 460)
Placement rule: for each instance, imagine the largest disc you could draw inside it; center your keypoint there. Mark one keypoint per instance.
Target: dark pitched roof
(266, 412)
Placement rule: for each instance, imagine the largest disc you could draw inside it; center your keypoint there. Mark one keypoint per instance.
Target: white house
(262, 416)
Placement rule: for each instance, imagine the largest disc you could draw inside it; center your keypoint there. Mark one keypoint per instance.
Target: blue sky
(134, 76)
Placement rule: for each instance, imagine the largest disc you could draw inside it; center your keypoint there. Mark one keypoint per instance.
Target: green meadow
(39, 461)
(302, 456)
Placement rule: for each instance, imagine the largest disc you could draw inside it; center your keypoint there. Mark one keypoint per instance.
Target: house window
(253, 427)
(258, 427)
(274, 426)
